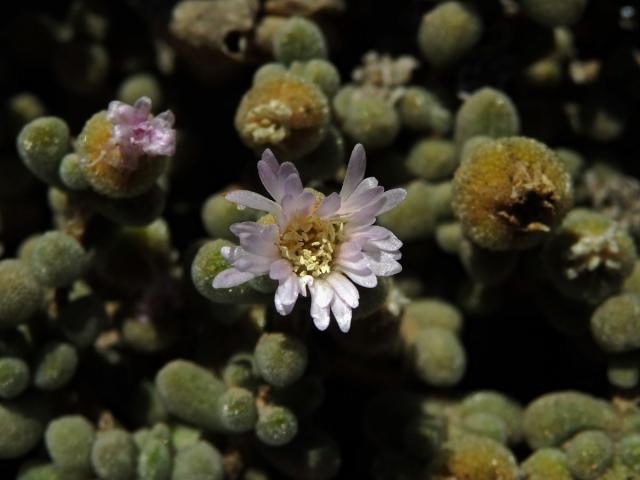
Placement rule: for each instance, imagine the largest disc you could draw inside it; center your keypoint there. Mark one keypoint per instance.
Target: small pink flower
(138, 133)
(322, 248)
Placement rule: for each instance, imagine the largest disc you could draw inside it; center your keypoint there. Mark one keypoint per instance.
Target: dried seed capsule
(589, 256)
(509, 194)
(103, 162)
(285, 113)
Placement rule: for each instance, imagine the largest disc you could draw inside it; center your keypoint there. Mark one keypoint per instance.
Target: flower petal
(253, 264)
(280, 270)
(355, 171)
(286, 295)
(295, 205)
(321, 293)
(330, 205)
(293, 183)
(366, 215)
(320, 315)
(231, 277)
(253, 200)
(343, 288)
(393, 198)
(383, 264)
(241, 228)
(360, 200)
(342, 313)
(268, 168)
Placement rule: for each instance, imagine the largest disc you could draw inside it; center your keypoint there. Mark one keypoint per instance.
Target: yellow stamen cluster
(310, 243)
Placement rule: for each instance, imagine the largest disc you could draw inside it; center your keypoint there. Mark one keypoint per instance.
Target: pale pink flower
(138, 133)
(324, 247)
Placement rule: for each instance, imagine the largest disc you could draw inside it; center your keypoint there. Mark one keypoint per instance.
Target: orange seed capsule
(509, 194)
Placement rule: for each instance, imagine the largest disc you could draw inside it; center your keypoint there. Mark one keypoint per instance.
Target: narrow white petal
(355, 171)
(268, 168)
(231, 278)
(388, 244)
(245, 227)
(304, 283)
(350, 250)
(321, 293)
(253, 264)
(295, 205)
(366, 215)
(358, 201)
(342, 313)
(286, 295)
(393, 198)
(343, 287)
(253, 200)
(383, 264)
(320, 315)
(292, 183)
(231, 254)
(259, 245)
(329, 205)
(365, 185)
(280, 270)
(357, 263)
(363, 278)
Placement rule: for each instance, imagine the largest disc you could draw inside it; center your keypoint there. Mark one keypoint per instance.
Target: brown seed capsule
(284, 112)
(510, 193)
(101, 161)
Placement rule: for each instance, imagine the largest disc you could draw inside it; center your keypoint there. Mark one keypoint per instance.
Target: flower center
(310, 243)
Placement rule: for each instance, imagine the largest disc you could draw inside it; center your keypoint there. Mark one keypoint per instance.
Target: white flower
(323, 247)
